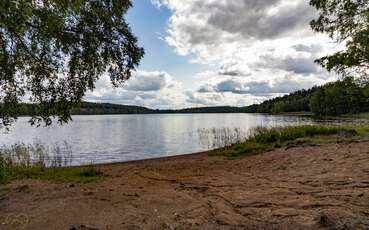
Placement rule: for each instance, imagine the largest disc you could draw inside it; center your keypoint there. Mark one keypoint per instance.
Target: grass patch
(27, 162)
(267, 139)
(56, 174)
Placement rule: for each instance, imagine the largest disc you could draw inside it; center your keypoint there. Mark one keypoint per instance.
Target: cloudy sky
(220, 52)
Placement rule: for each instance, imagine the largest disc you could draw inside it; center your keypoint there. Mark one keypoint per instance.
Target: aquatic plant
(220, 137)
(21, 161)
(263, 139)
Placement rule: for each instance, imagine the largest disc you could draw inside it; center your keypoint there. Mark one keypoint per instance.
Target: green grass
(16, 164)
(56, 174)
(263, 139)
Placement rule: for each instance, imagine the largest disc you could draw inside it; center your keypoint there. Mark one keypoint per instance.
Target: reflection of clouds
(115, 138)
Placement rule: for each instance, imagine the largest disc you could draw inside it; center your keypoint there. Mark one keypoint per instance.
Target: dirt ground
(321, 187)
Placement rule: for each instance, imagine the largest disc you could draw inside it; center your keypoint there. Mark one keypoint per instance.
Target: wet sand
(311, 187)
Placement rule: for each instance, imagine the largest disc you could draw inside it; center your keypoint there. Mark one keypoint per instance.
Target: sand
(311, 187)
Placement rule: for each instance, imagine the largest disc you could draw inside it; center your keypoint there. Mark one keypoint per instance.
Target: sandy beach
(311, 187)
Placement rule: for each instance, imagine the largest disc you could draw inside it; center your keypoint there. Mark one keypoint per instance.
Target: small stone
(22, 188)
(89, 193)
(81, 227)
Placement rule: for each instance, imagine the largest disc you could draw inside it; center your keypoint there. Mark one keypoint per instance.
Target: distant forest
(337, 98)
(89, 108)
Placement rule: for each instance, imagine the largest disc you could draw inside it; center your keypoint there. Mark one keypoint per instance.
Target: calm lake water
(115, 138)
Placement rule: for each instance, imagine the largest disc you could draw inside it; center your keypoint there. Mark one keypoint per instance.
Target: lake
(116, 138)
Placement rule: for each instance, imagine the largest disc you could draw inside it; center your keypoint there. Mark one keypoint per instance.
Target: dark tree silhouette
(53, 51)
(345, 21)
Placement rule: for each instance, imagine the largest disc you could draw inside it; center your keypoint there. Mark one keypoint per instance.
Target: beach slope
(310, 187)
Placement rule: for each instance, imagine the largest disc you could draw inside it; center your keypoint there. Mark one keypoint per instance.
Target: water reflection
(113, 138)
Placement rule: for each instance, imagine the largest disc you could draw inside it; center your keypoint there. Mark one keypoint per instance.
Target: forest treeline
(89, 108)
(336, 98)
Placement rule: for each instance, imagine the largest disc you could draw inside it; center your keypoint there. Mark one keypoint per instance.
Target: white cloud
(151, 89)
(158, 3)
(237, 33)
(198, 99)
(203, 27)
(257, 48)
(149, 81)
(277, 86)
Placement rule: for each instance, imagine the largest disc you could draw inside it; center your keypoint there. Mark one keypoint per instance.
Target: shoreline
(192, 155)
(304, 187)
(148, 160)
